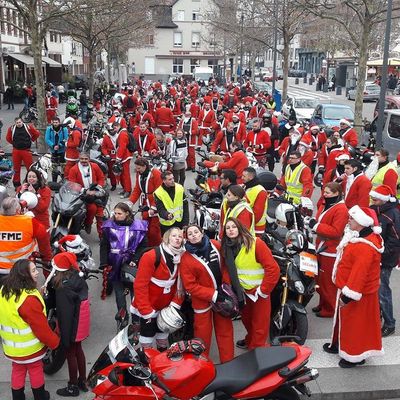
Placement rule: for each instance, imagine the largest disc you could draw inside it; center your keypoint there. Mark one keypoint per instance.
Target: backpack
(131, 144)
(129, 102)
(128, 271)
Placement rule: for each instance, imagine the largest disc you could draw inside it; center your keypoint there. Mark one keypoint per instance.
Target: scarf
(330, 201)
(231, 250)
(254, 182)
(232, 204)
(201, 249)
(174, 252)
(86, 173)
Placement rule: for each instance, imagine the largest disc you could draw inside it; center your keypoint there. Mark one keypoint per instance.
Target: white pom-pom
(81, 274)
(377, 229)
(56, 244)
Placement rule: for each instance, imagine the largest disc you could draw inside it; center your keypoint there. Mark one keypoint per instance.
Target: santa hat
(335, 129)
(288, 126)
(345, 121)
(63, 262)
(312, 127)
(342, 156)
(383, 192)
(365, 217)
(235, 116)
(71, 241)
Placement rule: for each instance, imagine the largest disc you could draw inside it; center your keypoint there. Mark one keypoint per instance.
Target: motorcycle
(29, 115)
(72, 108)
(157, 162)
(125, 370)
(296, 256)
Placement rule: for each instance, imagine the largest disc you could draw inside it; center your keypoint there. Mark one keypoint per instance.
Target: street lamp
(241, 45)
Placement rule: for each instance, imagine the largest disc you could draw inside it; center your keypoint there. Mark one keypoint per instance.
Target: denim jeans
(385, 298)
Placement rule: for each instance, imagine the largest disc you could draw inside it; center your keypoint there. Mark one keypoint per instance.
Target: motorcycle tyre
(283, 393)
(301, 330)
(25, 116)
(58, 356)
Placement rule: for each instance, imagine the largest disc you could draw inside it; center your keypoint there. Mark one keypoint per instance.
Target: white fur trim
(377, 230)
(74, 243)
(260, 293)
(344, 121)
(214, 298)
(351, 294)
(362, 356)
(365, 241)
(173, 304)
(360, 217)
(382, 197)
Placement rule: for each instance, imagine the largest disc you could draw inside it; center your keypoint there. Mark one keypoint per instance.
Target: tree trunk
(36, 46)
(362, 67)
(285, 66)
(92, 65)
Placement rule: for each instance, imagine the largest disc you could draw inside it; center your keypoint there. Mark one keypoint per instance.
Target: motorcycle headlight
(299, 286)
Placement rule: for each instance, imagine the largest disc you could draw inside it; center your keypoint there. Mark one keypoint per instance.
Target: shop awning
(24, 58)
(379, 63)
(51, 62)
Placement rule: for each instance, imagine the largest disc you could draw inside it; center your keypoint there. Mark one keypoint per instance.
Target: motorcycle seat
(242, 371)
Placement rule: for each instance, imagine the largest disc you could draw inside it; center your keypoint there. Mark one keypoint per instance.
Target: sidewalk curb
(367, 395)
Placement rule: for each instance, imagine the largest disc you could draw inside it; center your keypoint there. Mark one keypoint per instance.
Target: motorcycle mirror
(280, 187)
(113, 377)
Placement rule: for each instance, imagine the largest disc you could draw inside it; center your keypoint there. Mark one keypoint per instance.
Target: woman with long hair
(254, 273)
(157, 285)
(203, 273)
(23, 322)
(331, 219)
(35, 183)
(122, 241)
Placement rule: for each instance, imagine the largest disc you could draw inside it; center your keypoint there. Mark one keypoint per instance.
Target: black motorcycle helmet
(296, 241)
(117, 169)
(268, 180)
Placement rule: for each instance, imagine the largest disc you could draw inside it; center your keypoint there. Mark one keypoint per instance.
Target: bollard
(317, 88)
(339, 90)
(310, 81)
(296, 81)
(325, 89)
(305, 79)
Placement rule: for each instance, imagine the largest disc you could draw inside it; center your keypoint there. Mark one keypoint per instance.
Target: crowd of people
(356, 227)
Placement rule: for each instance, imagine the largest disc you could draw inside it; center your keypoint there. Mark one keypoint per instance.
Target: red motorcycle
(125, 371)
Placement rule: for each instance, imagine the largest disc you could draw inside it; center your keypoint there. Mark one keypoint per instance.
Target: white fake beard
(347, 236)
(294, 139)
(302, 150)
(372, 168)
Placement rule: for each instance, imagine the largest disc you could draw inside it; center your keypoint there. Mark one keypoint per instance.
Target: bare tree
(38, 16)
(360, 19)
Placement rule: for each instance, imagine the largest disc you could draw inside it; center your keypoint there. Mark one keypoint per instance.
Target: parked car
(329, 115)
(297, 73)
(262, 87)
(371, 92)
(390, 133)
(80, 82)
(303, 106)
(279, 73)
(391, 103)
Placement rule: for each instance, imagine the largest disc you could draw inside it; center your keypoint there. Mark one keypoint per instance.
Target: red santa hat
(365, 217)
(342, 156)
(314, 127)
(345, 121)
(383, 192)
(335, 129)
(235, 116)
(71, 241)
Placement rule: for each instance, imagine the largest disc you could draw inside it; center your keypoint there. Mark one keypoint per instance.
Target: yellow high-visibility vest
(294, 187)
(380, 175)
(175, 206)
(16, 335)
(252, 194)
(250, 271)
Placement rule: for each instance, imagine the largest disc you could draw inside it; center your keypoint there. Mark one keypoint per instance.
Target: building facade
(180, 42)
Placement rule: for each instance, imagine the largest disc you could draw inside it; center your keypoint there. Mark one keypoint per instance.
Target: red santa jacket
(238, 162)
(308, 157)
(125, 103)
(51, 104)
(175, 106)
(198, 279)
(146, 116)
(350, 137)
(357, 192)
(260, 138)
(123, 154)
(164, 118)
(257, 111)
(154, 288)
(330, 227)
(144, 141)
(315, 141)
(192, 134)
(121, 120)
(220, 142)
(195, 110)
(206, 119)
(109, 146)
(144, 188)
(73, 143)
(230, 99)
(327, 157)
(32, 132)
(75, 175)
(154, 105)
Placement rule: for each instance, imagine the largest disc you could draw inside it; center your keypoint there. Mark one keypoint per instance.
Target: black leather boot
(18, 394)
(40, 393)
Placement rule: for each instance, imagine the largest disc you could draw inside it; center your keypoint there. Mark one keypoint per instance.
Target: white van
(203, 73)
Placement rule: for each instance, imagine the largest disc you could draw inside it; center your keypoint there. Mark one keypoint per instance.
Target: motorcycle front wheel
(54, 359)
(283, 393)
(25, 116)
(297, 326)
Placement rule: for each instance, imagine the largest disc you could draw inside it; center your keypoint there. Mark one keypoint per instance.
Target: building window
(177, 66)
(180, 15)
(177, 39)
(196, 15)
(150, 40)
(14, 20)
(194, 62)
(9, 26)
(196, 39)
(2, 18)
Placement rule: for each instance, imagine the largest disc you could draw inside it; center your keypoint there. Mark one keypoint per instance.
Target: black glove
(345, 299)
(312, 223)
(220, 298)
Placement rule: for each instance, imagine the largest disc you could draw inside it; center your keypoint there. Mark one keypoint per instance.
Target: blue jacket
(50, 138)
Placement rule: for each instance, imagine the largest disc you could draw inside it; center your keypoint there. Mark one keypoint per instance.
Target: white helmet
(307, 203)
(28, 200)
(281, 210)
(170, 320)
(70, 122)
(45, 162)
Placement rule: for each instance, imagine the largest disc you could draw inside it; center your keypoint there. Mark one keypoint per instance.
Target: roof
(51, 62)
(24, 58)
(379, 63)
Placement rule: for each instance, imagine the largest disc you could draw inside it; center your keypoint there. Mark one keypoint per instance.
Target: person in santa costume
(315, 138)
(331, 219)
(190, 127)
(224, 138)
(239, 127)
(89, 174)
(72, 145)
(164, 118)
(143, 139)
(254, 274)
(347, 133)
(142, 116)
(202, 273)
(331, 149)
(258, 142)
(116, 117)
(148, 179)
(51, 105)
(157, 287)
(109, 150)
(356, 332)
(205, 120)
(356, 185)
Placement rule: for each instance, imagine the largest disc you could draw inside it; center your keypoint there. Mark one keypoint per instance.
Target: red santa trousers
(68, 166)
(111, 175)
(256, 320)
(154, 230)
(203, 324)
(19, 157)
(19, 371)
(93, 210)
(125, 177)
(327, 290)
(50, 114)
(191, 158)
